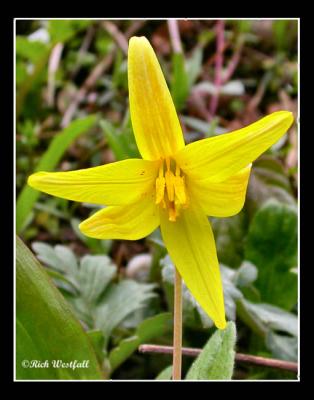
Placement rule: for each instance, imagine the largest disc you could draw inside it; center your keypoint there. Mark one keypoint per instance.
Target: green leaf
(216, 360)
(97, 339)
(118, 302)
(273, 318)
(90, 278)
(267, 180)
(282, 347)
(272, 246)
(63, 30)
(95, 273)
(179, 82)
(46, 328)
(230, 235)
(30, 50)
(61, 258)
(165, 374)
(49, 160)
(277, 327)
(30, 80)
(194, 66)
(246, 274)
(97, 302)
(121, 141)
(149, 329)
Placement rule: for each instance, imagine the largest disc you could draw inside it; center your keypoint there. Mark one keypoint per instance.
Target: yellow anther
(170, 189)
(160, 189)
(170, 185)
(180, 191)
(160, 185)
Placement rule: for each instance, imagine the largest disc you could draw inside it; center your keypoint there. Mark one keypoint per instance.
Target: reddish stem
(220, 43)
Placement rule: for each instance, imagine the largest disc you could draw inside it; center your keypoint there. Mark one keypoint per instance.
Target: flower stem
(177, 328)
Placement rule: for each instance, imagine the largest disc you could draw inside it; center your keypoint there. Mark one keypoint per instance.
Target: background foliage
(72, 112)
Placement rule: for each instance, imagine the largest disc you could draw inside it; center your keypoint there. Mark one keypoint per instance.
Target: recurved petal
(222, 199)
(131, 222)
(191, 246)
(222, 156)
(122, 182)
(155, 122)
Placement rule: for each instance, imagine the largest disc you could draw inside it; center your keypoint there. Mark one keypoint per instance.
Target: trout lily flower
(175, 186)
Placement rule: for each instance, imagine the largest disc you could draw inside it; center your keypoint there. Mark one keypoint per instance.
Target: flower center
(171, 190)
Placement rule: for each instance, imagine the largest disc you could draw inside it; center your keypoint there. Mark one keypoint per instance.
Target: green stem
(177, 328)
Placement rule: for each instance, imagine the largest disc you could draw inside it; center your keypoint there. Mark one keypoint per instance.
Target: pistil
(171, 188)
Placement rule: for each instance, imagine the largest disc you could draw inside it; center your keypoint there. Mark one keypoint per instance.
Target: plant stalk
(177, 328)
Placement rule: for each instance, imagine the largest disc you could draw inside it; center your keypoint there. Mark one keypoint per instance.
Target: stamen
(170, 185)
(171, 189)
(180, 189)
(160, 185)
(172, 212)
(177, 170)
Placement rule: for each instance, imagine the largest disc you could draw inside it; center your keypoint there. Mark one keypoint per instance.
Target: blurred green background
(72, 112)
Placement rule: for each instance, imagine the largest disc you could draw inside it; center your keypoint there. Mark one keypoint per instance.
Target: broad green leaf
(272, 246)
(95, 273)
(48, 162)
(277, 327)
(230, 236)
(90, 278)
(267, 180)
(149, 329)
(273, 318)
(244, 279)
(231, 292)
(119, 301)
(179, 81)
(61, 258)
(165, 374)
(98, 303)
(283, 347)
(246, 274)
(97, 339)
(216, 360)
(46, 328)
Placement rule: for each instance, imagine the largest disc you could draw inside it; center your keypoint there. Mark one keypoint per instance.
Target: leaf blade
(216, 360)
(46, 326)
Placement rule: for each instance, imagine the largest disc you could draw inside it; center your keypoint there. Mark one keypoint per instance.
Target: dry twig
(245, 358)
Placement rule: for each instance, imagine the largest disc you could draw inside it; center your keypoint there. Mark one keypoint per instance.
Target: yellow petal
(222, 156)
(122, 182)
(222, 199)
(130, 222)
(191, 246)
(155, 122)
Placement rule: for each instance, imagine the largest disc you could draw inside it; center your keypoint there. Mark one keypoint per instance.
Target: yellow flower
(174, 186)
